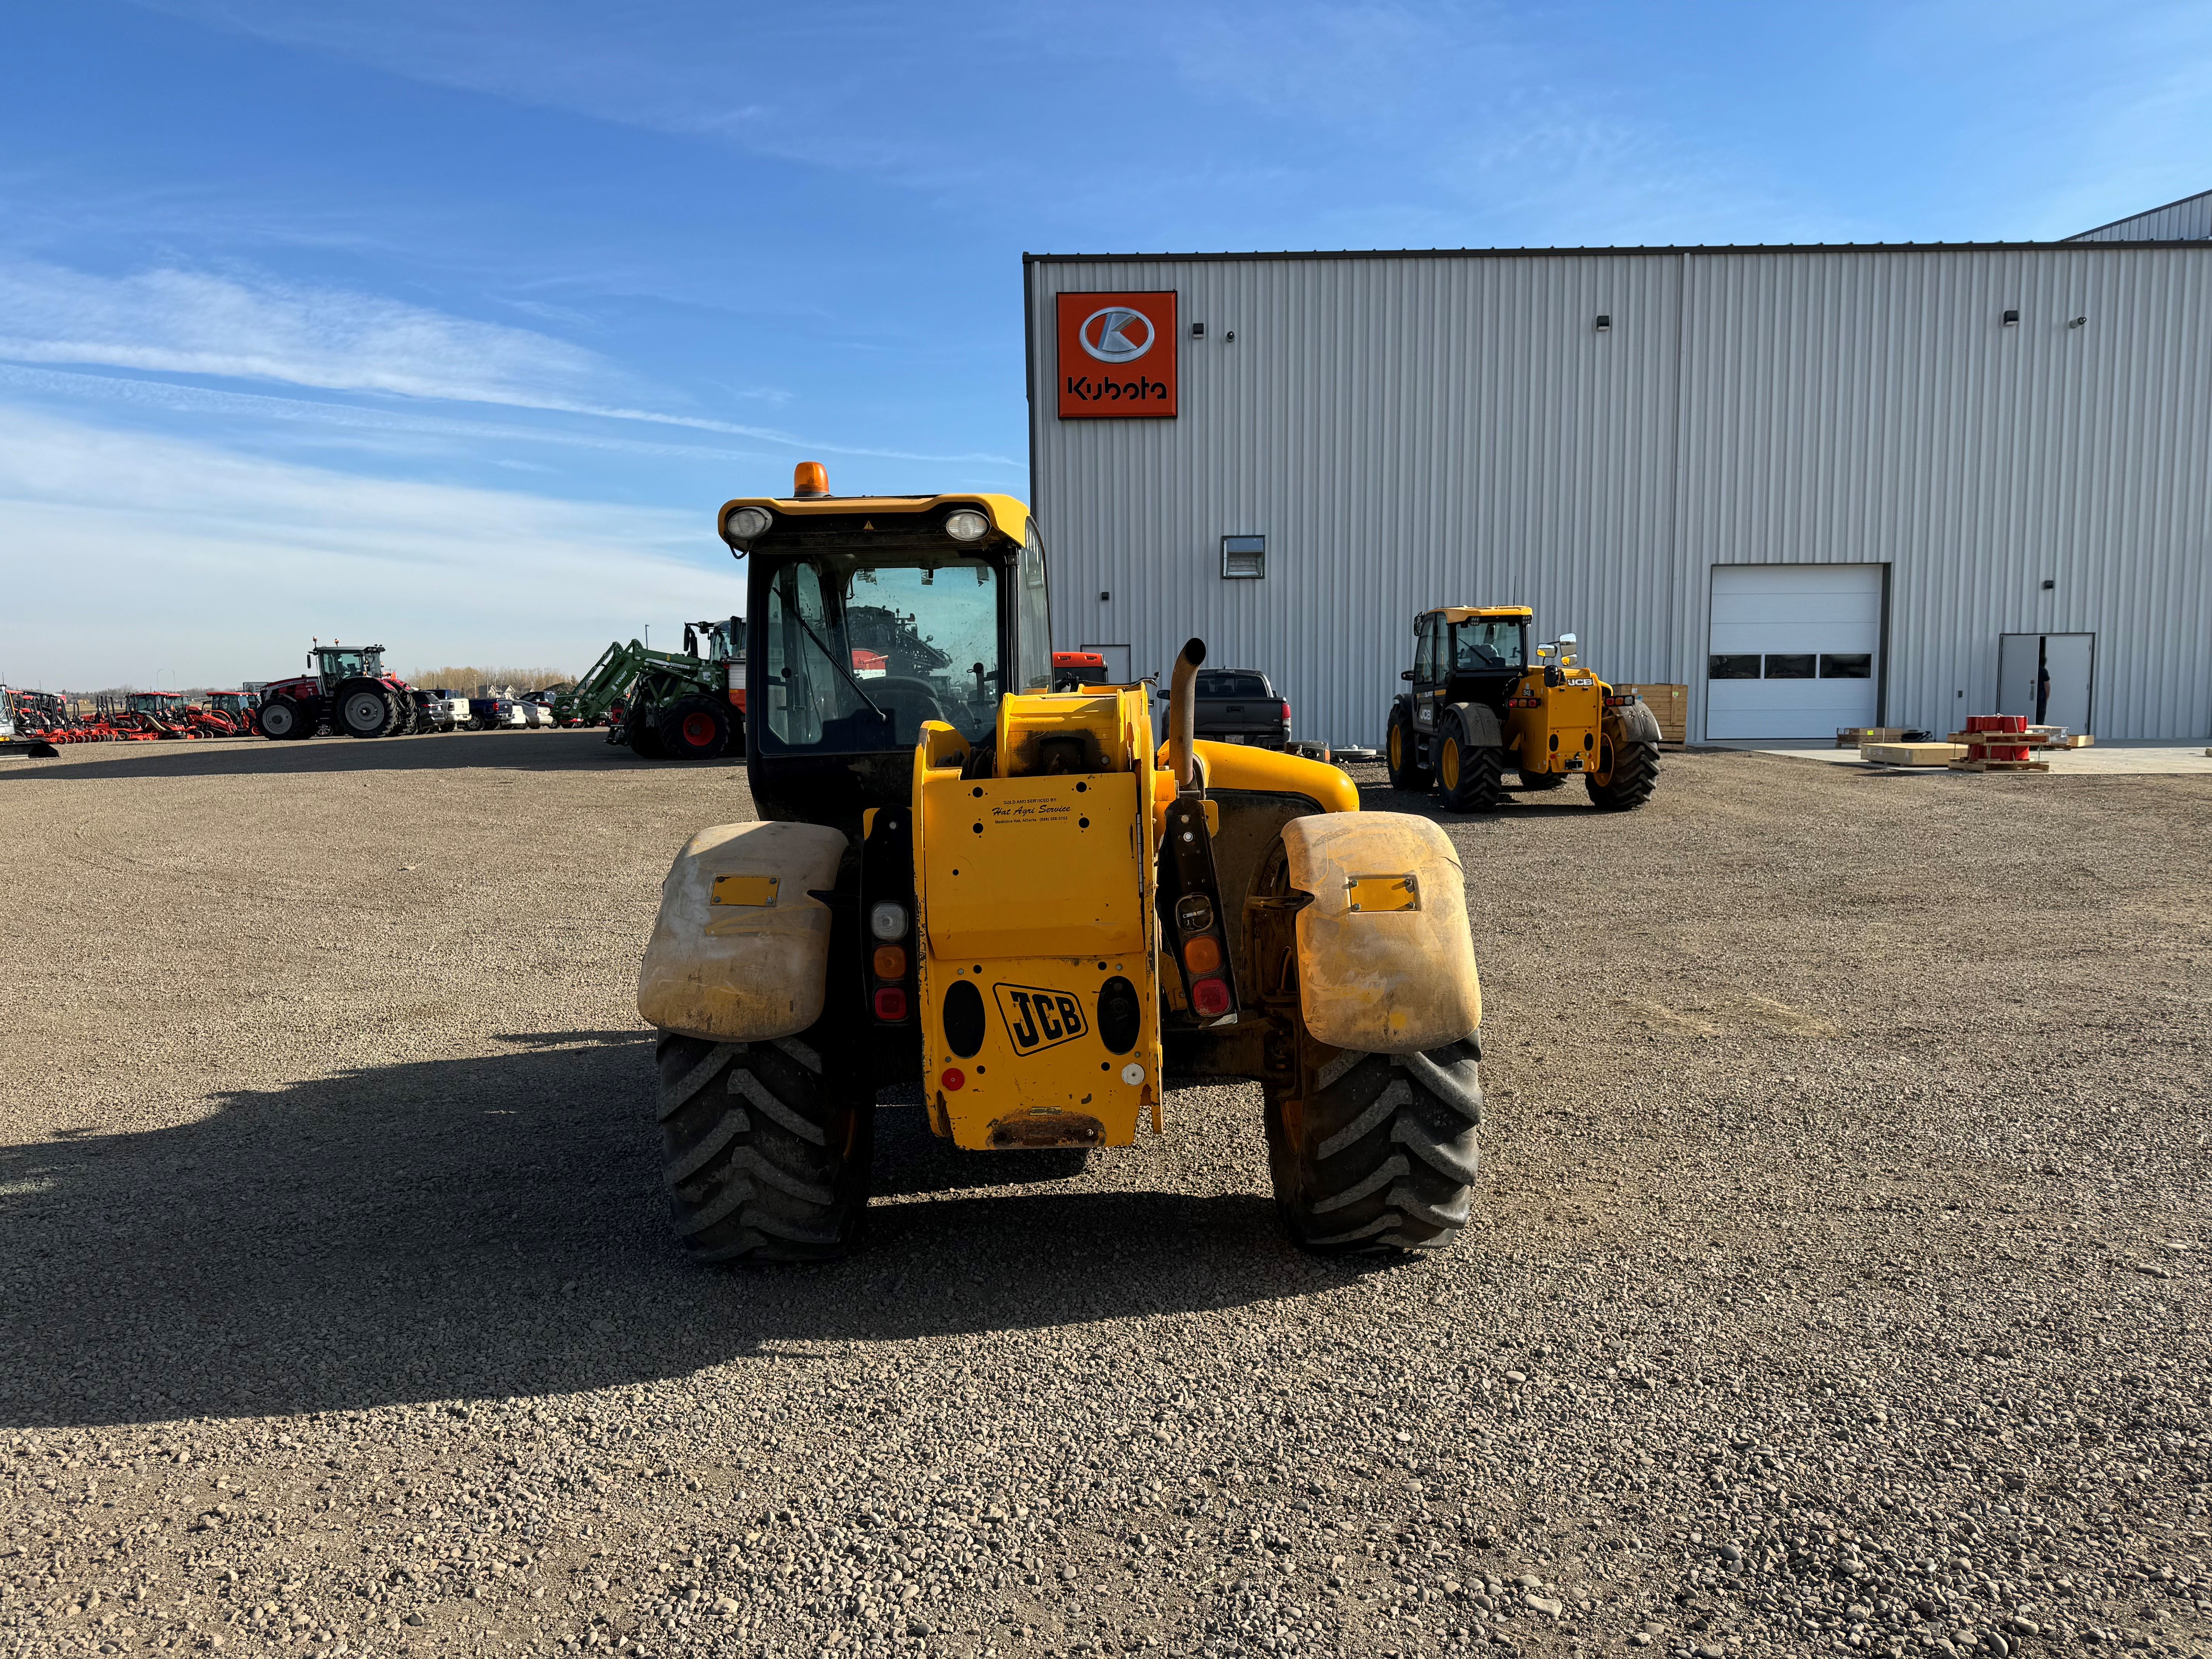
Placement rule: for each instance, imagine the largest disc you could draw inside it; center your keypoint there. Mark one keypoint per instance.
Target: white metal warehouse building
(1821, 486)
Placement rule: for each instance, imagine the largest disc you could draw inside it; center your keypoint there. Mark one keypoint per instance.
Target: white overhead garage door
(1795, 649)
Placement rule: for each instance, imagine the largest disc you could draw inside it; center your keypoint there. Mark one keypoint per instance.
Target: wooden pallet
(1999, 766)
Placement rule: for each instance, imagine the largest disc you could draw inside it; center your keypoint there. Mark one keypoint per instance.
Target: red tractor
(348, 690)
(235, 708)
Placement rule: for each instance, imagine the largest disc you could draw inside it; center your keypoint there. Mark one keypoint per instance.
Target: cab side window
(1424, 654)
(1032, 619)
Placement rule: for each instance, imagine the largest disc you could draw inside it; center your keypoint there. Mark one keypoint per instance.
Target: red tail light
(1286, 717)
(890, 1003)
(1209, 997)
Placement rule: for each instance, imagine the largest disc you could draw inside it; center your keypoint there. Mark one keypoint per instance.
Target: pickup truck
(1238, 705)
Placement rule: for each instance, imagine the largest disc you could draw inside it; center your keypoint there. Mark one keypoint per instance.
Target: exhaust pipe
(1182, 714)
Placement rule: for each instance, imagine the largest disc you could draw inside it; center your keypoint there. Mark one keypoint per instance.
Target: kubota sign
(1117, 355)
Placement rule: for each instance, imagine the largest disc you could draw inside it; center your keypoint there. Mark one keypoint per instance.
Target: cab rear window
(1232, 685)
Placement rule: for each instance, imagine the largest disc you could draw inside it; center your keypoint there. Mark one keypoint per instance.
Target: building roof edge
(2067, 244)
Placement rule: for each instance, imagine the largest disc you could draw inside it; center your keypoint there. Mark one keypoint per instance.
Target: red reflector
(890, 1003)
(1209, 997)
(954, 1078)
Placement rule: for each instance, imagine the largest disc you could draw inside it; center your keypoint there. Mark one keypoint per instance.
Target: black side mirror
(1406, 674)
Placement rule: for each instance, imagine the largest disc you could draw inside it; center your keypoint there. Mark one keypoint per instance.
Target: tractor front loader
(1011, 897)
(666, 705)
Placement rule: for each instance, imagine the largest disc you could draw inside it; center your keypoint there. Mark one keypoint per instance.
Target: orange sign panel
(1117, 356)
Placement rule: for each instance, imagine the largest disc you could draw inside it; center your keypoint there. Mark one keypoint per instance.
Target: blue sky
(452, 323)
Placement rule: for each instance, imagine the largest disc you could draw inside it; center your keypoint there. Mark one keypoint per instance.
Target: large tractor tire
(1377, 1152)
(767, 1144)
(696, 729)
(1470, 777)
(1625, 776)
(283, 721)
(1402, 754)
(642, 731)
(362, 708)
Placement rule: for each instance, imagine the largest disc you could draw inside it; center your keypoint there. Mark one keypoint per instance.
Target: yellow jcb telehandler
(1017, 899)
(1481, 703)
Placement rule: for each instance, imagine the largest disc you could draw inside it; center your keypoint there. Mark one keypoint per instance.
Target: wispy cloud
(218, 566)
(377, 426)
(195, 323)
(183, 322)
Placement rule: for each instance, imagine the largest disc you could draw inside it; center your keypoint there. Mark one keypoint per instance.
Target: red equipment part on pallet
(2001, 726)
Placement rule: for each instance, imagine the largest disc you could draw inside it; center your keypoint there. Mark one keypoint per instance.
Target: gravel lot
(1840, 1283)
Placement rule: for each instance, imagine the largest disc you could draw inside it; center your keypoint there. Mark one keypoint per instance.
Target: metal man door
(2049, 677)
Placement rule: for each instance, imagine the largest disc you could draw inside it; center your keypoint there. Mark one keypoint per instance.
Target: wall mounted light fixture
(2012, 320)
(1604, 323)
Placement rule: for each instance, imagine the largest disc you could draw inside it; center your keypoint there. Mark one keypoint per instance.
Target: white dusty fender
(1483, 731)
(1633, 723)
(740, 951)
(1386, 963)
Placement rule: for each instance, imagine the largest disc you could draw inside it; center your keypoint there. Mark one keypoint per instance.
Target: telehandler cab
(1481, 703)
(1011, 897)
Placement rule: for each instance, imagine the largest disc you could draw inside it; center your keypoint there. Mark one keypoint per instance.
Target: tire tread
(1380, 1154)
(765, 1151)
(1635, 775)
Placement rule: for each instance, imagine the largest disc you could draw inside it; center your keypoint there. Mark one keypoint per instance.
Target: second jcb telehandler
(1480, 704)
(1013, 897)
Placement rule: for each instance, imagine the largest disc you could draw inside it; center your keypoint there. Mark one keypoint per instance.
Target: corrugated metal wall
(1414, 430)
(2189, 220)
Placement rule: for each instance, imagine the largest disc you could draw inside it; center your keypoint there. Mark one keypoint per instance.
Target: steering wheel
(907, 693)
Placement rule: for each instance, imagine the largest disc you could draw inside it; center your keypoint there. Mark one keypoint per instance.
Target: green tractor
(667, 705)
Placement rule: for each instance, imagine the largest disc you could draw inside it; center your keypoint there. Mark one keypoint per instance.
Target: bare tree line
(478, 682)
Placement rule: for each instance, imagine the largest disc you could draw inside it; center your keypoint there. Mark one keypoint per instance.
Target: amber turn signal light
(1201, 956)
(890, 962)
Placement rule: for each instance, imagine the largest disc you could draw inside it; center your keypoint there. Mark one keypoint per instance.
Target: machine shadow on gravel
(571, 750)
(1381, 797)
(496, 1226)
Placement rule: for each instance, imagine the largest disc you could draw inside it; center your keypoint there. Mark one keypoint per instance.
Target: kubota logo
(1117, 334)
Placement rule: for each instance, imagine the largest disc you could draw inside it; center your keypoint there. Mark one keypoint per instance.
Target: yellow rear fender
(740, 951)
(1386, 961)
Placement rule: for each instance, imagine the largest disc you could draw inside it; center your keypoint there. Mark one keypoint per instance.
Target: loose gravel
(1838, 1283)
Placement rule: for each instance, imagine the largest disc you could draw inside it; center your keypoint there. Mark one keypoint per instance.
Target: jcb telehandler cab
(1013, 897)
(1481, 703)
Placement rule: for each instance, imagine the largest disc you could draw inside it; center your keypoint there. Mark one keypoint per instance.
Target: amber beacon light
(810, 479)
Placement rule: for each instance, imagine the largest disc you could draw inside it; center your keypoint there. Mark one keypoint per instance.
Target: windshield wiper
(840, 668)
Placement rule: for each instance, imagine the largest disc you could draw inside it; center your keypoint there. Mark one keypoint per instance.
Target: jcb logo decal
(1038, 1018)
